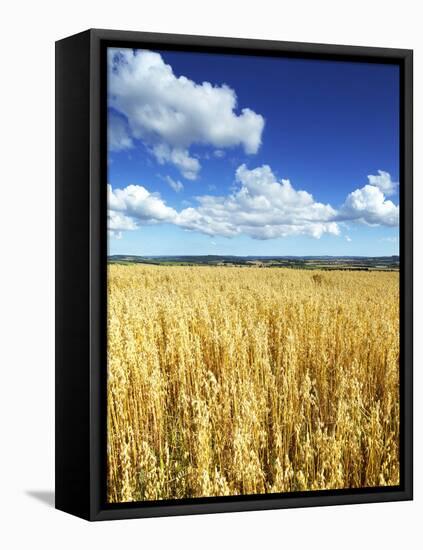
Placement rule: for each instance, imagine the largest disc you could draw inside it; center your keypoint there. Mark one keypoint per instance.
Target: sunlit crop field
(232, 381)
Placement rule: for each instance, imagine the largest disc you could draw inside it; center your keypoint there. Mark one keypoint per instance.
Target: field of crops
(231, 380)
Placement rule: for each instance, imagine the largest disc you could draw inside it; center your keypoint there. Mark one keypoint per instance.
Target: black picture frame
(81, 260)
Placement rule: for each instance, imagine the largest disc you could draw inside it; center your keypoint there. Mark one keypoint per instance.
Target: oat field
(232, 381)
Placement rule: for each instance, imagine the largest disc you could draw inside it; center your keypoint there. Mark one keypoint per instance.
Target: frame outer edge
(407, 244)
(96, 242)
(96, 280)
(72, 396)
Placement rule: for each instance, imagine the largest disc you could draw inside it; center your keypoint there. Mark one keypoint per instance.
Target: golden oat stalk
(230, 381)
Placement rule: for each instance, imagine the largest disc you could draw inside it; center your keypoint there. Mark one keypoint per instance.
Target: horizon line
(260, 255)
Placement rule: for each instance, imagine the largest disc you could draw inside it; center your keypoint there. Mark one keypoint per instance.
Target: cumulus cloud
(260, 206)
(170, 113)
(383, 182)
(135, 205)
(118, 222)
(369, 204)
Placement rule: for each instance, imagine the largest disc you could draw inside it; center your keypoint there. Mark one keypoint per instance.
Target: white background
(28, 32)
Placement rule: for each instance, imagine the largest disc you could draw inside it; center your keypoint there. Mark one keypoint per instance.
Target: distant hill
(363, 263)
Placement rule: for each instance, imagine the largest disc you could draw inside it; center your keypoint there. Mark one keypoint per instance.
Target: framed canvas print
(233, 274)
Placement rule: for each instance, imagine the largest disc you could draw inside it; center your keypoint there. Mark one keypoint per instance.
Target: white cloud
(267, 208)
(175, 185)
(117, 223)
(135, 204)
(260, 206)
(384, 182)
(188, 166)
(348, 238)
(218, 153)
(117, 134)
(170, 113)
(369, 205)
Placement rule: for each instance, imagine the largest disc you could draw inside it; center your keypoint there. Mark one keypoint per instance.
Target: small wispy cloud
(176, 185)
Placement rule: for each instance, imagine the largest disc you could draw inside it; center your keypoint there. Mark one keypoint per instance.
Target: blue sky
(272, 157)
